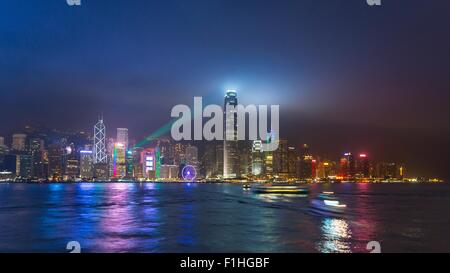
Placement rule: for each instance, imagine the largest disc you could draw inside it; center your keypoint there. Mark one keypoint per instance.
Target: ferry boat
(280, 189)
(328, 202)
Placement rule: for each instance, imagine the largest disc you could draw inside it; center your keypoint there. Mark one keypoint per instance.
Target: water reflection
(157, 217)
(86, 186)
(86, 215)
(117, 219)
(56, 216)
(336, 236)
(186, 227)
(55, 187)
(364, 222)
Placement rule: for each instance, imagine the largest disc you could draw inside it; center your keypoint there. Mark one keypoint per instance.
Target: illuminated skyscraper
(158, 163)
(55, 159)
(292, 162)
(269, 156)
(110, 144)
(219, 160)
(138, 171)
(100, 142)
(347, 166)
(18, 142)
(245, 157)
(280, 159)
(151, 163)
(209, 160)
(72, 167)
(167, 150)
(2, 141)
(305, 163)
(179, 153)
(119, 160)
(257, 158)
(23, 165)
(268, 164)
(86, 164)
(37, 148)
(129, 164)
(122, 136)
(230, 144)
(363, 166)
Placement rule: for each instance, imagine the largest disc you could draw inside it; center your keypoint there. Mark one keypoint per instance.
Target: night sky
(347, 76)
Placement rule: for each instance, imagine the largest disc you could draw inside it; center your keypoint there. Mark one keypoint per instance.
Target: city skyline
(38, 156)
(75, 161)
(120, 135)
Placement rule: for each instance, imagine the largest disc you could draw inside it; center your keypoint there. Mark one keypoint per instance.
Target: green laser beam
(156, 134)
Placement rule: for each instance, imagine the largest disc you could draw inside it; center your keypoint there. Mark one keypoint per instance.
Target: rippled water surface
(155, 217)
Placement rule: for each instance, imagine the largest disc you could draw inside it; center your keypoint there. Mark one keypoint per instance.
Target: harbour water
(182, 217)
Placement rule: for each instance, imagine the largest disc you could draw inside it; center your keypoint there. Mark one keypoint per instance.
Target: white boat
(328, 202)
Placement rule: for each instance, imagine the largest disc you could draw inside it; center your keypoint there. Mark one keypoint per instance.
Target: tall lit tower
(257, 158)
(362, 166)
(306, 163)
(122, 136)
(230, 144)
(119, 160)
(347, 166)
(100, 142)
